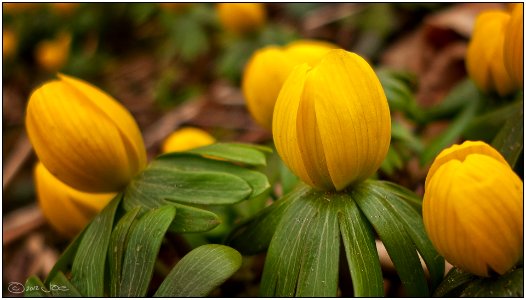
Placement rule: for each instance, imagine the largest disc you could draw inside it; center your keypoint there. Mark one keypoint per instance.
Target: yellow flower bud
(332, 125)
(187, 138)
(66, 209)
(83, 136)
(51, 55)
(513, 46)
(472, 209)
(267, 70)
(485, 55)
(9, 42)
(241, 18)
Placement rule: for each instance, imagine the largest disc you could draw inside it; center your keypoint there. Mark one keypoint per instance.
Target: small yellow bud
(267, 70)
(485, 58)
(332, 125)
(83, 136)
(241, 18)
(66, 209)
(9, 42)
(187, 138)
(472, 209)
(51, 55)
(513, 46)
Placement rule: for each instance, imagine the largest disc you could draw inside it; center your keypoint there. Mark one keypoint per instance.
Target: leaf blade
(88, 267)
(141, 251)
(187, 279)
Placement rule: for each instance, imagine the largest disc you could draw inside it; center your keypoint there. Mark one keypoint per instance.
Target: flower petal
(285, 121)
(353, 116)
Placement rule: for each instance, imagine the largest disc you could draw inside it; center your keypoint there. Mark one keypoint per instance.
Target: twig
(16, 159)
(21, 222)
(171, 120)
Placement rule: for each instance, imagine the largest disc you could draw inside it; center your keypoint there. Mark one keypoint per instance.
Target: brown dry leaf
(435, 51)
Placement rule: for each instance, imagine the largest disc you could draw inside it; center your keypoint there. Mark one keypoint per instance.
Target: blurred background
(177, 64)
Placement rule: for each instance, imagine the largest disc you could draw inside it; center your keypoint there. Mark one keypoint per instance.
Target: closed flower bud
(472, 209)
(241, 18)
(187, 138)
(66, 209)
(83, 136)
(51, 55)
(331, 122)
(267, 70)
(513, 46)
(485, 55)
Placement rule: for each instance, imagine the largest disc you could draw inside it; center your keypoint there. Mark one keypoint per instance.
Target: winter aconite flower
(83, 136)
(241, 18)
(267, 70)
(187, 138)
(472, 209)
(485, 58)
(331, 122)
(513, 45)
(66, 209)
(51, 55)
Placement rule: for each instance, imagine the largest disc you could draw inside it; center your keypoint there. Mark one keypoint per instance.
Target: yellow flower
(513, 46)
(51, 55)
(331, 123)
(186, 139)
(241, 18)
(485, 56)
(472, 209)
(66, 209)
(267, 70)
(83, 136)
(9, 42)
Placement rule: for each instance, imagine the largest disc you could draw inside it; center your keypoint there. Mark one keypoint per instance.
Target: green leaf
(254, 235)
(239, 153)
(191, 219)
(194, 163)
(393, 234)
(157, 183)
(117, 248)
(486, 126)
(360, 248)
(200, 271)
(403, 193)
(453, 132)
(454, 282)
(463, 94)
(60, 286)
(33, 288)
(508, 285)
(90, 259)
(66, 259)
(402, 133)
(415, 228)
(510, 139)
(302, 259)
(318, 276)
(143, 245)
